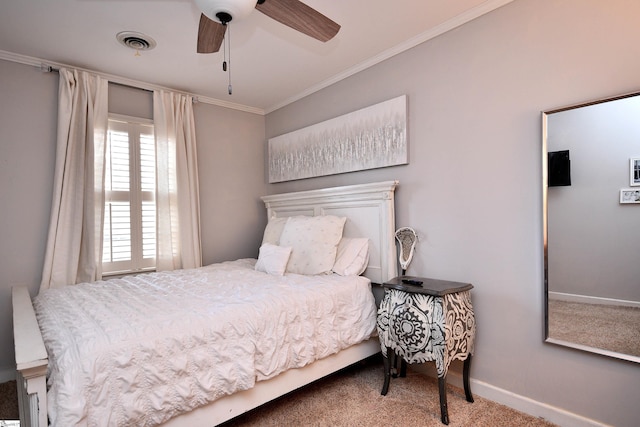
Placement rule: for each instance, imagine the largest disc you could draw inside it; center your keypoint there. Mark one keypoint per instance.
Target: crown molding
(452, 23)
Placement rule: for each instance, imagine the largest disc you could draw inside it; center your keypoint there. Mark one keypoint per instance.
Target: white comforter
(140, 350)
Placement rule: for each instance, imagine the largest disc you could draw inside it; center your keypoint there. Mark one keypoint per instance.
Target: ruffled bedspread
(141, 350)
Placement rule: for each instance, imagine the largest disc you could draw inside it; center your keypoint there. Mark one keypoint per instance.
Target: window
(129, 237)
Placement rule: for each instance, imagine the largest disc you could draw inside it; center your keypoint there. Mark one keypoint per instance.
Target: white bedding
(140, 350)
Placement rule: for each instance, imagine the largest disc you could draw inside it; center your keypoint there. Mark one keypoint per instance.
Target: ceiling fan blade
(210, 35)
(300, 17)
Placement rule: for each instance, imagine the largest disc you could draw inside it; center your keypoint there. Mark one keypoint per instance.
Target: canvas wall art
(373, 137)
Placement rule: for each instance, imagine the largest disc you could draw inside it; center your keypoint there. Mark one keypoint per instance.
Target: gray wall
(230, 144)
(28, 105)
(594, 241)
(472, 189)
(230, 170)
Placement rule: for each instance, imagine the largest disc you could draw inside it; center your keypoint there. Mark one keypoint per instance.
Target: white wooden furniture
(31, 361)
(369, 209)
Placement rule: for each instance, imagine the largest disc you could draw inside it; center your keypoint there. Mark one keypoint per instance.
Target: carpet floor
(607, 327)
(351, 398)
(8, 401)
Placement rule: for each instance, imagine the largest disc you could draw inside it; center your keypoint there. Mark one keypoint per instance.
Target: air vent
(136, 41)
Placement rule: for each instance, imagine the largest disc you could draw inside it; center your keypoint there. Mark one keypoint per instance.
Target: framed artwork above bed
(370, 138)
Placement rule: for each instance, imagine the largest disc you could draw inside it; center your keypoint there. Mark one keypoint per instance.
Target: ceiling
(271, 65)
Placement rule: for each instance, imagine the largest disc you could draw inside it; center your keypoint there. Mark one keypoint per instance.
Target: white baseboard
(560, 296)
(524, 404)
(532, 407)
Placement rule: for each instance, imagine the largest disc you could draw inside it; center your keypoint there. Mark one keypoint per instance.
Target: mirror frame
(547, 339)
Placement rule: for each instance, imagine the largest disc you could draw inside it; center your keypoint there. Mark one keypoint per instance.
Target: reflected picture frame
(634, 171)
(630, 195)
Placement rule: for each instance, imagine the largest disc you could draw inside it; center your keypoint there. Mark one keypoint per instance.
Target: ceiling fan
(216, 14)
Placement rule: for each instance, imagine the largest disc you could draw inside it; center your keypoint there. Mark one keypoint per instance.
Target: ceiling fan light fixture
(223, 11)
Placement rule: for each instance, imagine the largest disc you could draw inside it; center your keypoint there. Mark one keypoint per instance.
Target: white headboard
(370, 212)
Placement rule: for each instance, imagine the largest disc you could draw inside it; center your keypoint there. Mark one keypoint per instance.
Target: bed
(208, 398)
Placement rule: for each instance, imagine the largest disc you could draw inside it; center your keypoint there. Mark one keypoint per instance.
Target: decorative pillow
(314, 242)
(273, 259)
(352, 257)
(273, 230)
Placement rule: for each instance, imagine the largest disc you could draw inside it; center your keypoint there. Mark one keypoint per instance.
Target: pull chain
(226, 66)
(229, 36)
(224, 51)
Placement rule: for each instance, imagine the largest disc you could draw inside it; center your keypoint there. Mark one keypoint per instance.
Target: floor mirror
(591, 225)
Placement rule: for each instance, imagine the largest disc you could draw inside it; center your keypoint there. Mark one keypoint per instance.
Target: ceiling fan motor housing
(223, 11)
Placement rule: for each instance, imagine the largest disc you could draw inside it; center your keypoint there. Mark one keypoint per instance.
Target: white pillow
(273, 230)
(273, 259)
(352, 257)
(314, 242)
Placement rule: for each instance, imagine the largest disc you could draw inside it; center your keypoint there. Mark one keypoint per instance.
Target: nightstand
(427, 320)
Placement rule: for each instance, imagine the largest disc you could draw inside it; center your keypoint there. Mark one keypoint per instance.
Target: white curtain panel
(73, 252)
(177, 195)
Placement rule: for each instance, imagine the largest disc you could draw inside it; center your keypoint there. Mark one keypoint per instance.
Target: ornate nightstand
(427, 320)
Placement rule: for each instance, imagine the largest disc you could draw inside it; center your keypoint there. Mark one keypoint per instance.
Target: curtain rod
(151, 88)
(50, 67)
(45, 68)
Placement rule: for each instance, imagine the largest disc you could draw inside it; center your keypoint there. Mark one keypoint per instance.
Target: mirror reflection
(592, 226)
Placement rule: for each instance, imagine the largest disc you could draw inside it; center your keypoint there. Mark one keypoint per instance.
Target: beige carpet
(351, 398)
(608, 327)
(8, 401)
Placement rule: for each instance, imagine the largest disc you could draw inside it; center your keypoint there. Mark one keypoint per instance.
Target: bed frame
(369, 209)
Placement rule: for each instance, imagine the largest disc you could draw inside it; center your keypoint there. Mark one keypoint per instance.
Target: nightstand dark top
(429, 286)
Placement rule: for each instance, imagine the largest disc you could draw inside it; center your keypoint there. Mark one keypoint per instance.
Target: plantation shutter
(129, 237)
